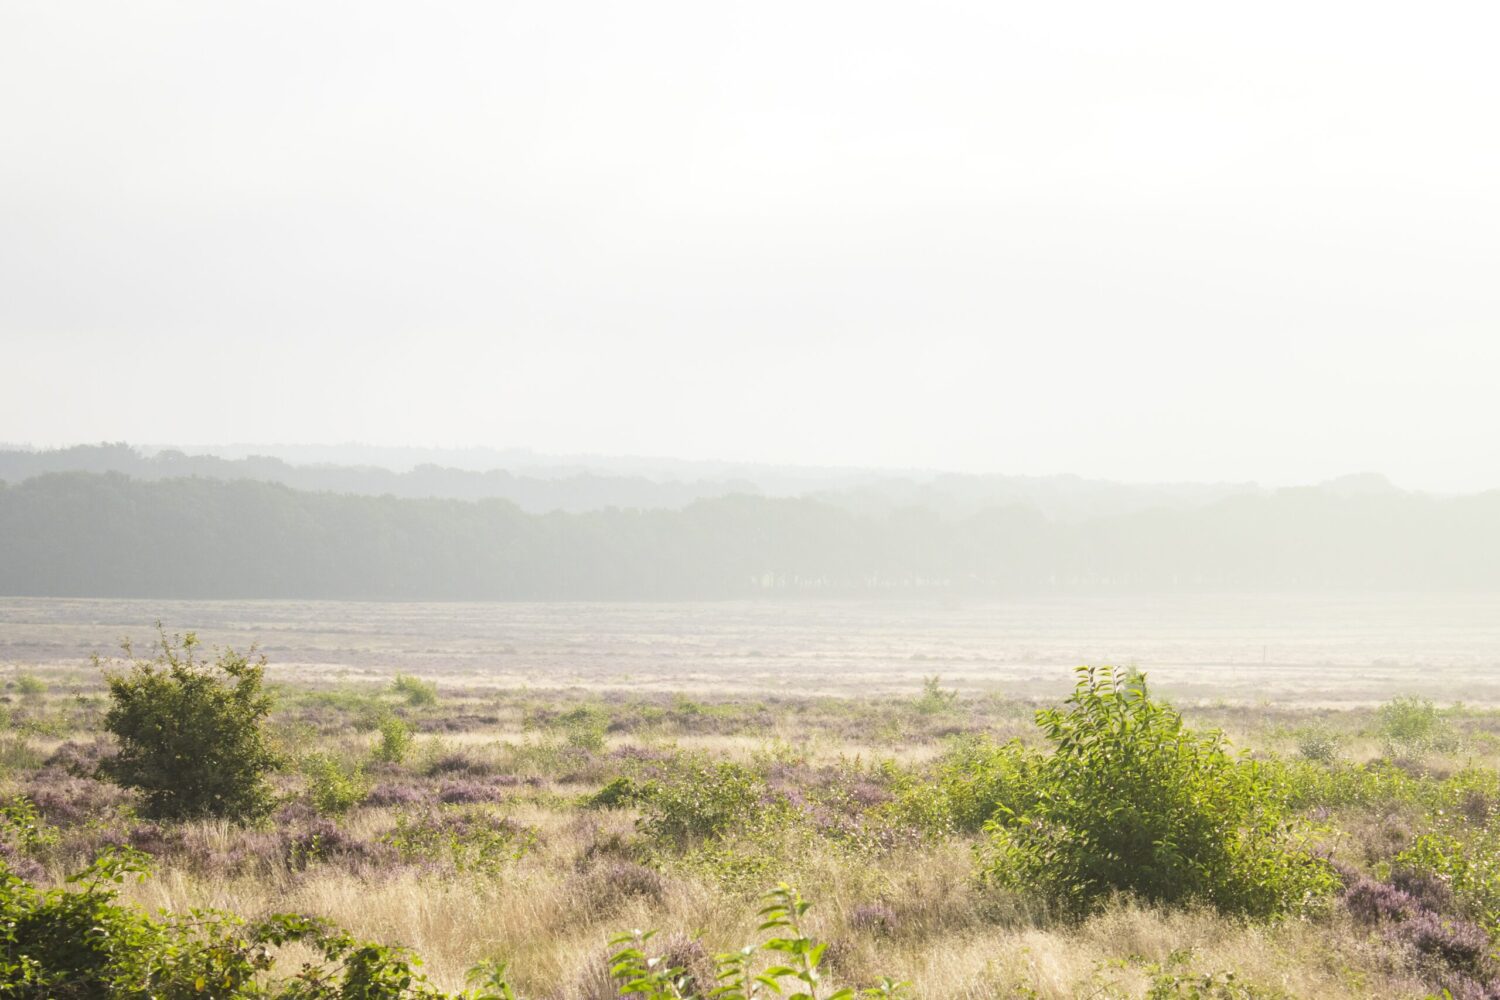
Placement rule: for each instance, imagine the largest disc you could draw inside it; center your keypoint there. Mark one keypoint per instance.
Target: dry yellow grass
(949, 939)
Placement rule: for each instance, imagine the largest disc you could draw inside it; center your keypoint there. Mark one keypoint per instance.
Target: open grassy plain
(518, 783)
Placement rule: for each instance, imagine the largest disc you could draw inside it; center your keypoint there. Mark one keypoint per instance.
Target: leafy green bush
(1470, 868)
(973, 780)
(471, 839)
(697, 798)
(583, 727)
(620, 793)
(395, 741)
(335, 787)
(934, 697)
(1411, 727)
(22, 825)
(1318, 744)
(414, 690)
(1131, 800)
(30, 686)
(1341, 784)
(191, 734)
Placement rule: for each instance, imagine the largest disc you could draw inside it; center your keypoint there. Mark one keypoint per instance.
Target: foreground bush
(1132, 801)
(80, 943)
(191, 733)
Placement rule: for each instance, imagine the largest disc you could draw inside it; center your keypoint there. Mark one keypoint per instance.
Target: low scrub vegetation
(1114, 845)
(191, 734)
(1128, 799)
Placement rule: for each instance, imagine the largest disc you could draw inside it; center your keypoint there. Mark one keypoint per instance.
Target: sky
(1147, 241)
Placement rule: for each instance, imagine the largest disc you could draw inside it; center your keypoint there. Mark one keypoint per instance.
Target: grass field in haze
(1333, 650)
(572, 771)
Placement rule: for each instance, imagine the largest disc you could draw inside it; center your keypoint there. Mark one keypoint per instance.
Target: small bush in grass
(934, 697)
(81, 942)
(1318, 744)
(1410, 727)
(1131, 800)
(23, 826)
(334, 786)
(414, 691)
(30, 686)
(395, 741)
(620, 793)
(192, 734)
(471, 839)
(583, 727)
(697, 798)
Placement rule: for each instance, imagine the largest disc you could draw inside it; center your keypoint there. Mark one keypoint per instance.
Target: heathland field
(967, 814)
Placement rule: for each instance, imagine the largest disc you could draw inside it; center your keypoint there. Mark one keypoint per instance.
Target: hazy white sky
(1140, 241)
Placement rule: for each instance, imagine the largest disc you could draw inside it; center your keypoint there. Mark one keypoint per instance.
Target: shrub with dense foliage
(417, 692)
(191, 733)
(975, 778)
(1131, 800)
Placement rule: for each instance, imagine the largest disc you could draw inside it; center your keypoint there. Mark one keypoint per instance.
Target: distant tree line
(580, 490)
(540, 489)
(85, 534)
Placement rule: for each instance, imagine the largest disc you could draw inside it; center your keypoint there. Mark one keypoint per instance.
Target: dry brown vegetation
(514, 825)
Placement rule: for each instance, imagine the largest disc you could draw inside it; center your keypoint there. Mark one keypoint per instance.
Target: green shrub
(697, 798)
(335, 788)
(794, 969)
(191, 734)
(620, 793)
(1462, 848)
(1132, 801)
(395, 741)
(934, 697)
(1318, 744)
(30, 686)
(1341, 784)
(973, 780)
(416, 692)
(22, 826)
(1411, 727)
(583, 727)
(470, 838)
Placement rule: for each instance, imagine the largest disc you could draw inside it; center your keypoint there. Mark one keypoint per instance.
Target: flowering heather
(82, 758)
(400, 793)
(1459, 944)
(65, 800)
(1371, 901)
(491, 789)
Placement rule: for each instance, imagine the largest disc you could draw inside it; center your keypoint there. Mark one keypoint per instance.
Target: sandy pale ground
(1309, 650)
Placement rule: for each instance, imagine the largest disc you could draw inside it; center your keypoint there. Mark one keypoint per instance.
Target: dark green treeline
(104, 535)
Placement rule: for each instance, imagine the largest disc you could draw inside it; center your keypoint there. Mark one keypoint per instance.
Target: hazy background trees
(108, 534)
